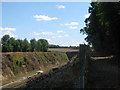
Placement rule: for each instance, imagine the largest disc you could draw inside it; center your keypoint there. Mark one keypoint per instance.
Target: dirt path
(102, 74)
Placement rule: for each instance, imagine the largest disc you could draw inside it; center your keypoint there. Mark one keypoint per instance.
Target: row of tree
(10, 44)
(102, 27)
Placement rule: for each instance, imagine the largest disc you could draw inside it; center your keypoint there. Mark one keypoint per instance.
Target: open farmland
(63, 49)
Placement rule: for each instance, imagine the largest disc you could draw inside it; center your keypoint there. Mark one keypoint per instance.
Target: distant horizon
(57, 22)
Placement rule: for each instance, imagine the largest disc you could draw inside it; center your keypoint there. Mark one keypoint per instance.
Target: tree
(5, 38)
(10, 44)
(45, 45)
(26, 45)
(5, 46)
(38, 46)
(102, 27)
(21, 45)
(33, 45)
(42, 45)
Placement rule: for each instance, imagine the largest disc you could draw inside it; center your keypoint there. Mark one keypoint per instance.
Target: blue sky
(58, 22)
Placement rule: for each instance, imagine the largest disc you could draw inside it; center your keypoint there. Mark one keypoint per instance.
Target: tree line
(102, 27)
(10, 44)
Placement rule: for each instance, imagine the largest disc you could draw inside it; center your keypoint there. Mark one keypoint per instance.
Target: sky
(58, 22)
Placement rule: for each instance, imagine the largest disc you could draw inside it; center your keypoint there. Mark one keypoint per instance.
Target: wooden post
(82, 58)
(0, 63)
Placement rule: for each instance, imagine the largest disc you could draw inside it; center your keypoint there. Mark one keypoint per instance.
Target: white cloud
(71, 27)
(7, 31)
(44, 18)
(36, 34)
(61, 6)
(71, 23)
(47, 33)
(87, 15)
(60, 31)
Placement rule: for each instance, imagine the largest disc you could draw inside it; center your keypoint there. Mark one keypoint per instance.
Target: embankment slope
(19, 63)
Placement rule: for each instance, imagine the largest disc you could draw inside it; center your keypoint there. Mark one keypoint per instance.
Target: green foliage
(9, 44)
(102, 27)
(26, 46)
(5, 44)
(33, 45)
(17, 58)
(20, 45)
(42, 45)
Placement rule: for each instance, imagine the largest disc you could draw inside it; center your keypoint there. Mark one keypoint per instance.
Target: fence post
(82, 58)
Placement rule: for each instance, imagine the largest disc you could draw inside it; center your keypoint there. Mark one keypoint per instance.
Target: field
(63, 49)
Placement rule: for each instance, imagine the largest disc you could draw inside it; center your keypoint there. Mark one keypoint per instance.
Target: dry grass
(63, 49)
